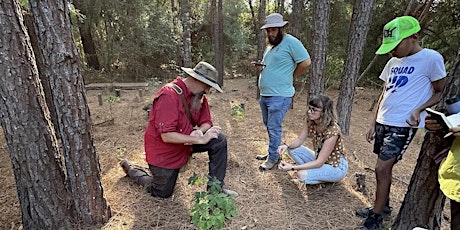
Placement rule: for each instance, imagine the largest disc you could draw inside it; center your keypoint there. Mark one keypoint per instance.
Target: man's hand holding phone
(258, 64)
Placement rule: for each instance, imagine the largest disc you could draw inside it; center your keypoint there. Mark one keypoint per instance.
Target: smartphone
(257, 63)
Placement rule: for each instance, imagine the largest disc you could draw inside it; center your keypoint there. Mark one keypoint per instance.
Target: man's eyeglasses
(312, 109)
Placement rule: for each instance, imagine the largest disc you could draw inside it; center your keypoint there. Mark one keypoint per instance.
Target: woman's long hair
(328, 117)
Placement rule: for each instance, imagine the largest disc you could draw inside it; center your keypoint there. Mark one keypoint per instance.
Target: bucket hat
(274, 20)
(205, 73)
(395, 31)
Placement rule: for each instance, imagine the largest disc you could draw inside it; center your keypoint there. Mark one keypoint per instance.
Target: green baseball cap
(395, 31)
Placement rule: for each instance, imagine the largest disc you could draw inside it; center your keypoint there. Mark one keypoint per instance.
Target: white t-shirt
(408, 86)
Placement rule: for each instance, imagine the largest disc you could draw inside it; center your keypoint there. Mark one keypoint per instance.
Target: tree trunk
(320, 33)
(218, 33)
(187, 39)
(296, 28)
(92, 61)
(261, 33)
(359, 26)
(30, 24)
(296, 21)
(177, 39)
(279, 6)
(260, 39)
(32, 145)
(74, 122)
(89, 48)
(424, 202)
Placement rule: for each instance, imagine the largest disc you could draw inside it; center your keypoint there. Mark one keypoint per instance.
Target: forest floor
(267, 200)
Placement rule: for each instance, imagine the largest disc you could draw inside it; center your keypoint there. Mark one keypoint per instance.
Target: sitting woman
(326, 163)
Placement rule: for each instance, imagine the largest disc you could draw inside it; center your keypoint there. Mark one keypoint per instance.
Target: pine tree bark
(62, 69)
(260, 38)
(359, 26)
(261, 33)
(38, 164)
(89, 48)
(424, 201)
(187, 39)
(218, 33)
(318, 56)
(296, 21)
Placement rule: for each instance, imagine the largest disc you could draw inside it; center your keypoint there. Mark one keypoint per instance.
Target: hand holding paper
(448, 123)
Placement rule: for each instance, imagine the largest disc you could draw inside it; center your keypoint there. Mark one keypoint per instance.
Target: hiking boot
(267, 165)
(125, 166)
(140, 176)
(373, 222)
(262, 157)
(364, 213)
(230, 193)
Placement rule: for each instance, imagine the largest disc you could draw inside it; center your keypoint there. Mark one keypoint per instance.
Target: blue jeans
(274, 109)
(325, 173)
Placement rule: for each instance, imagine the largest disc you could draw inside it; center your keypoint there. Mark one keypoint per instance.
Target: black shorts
(391, 142)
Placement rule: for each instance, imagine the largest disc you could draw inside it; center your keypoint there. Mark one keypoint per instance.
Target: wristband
(286, 145)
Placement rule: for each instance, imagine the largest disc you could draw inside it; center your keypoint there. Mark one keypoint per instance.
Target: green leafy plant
(211, 207)
(112, 99)
(237, 111)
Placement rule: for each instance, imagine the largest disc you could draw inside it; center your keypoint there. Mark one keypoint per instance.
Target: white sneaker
(230, 193)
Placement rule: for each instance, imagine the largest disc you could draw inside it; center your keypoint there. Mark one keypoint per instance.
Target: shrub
(211, 207)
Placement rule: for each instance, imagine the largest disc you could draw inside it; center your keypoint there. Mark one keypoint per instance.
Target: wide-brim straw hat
(205, 73)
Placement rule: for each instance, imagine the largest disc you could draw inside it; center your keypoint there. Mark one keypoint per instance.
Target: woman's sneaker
(230, 193)
(267, 165)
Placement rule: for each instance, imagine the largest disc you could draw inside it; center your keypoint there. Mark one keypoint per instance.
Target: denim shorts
(391, 142)
(325, 173)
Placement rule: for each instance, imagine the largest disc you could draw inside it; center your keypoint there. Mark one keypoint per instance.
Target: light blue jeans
(274, 109)
(325, 173)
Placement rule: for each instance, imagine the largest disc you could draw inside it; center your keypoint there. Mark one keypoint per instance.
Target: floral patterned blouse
(319, 138)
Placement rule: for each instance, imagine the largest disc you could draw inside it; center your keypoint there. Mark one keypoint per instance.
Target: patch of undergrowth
(212, 207)
(237, 111)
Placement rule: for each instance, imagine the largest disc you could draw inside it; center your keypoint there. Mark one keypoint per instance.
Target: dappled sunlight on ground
(268, 200)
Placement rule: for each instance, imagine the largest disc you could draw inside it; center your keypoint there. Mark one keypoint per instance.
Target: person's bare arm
(204, 127)
(323, 155)
(179, 138)
(438, 86)
(301, 67)
(371, 132)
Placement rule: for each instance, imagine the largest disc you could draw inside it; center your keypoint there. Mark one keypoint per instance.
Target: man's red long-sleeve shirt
(168, 115)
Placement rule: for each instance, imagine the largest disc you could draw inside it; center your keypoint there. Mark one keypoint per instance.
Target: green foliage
(211, 208)
(134, 39)
(237, 111)
(24, 3)
(112, 98)
(441, 30)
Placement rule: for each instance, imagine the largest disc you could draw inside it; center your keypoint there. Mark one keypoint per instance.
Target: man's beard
(277, 40)
(196, 101)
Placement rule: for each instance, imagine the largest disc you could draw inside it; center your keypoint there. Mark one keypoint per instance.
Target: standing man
(180, 124)
(284, 59)
(413, 80)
